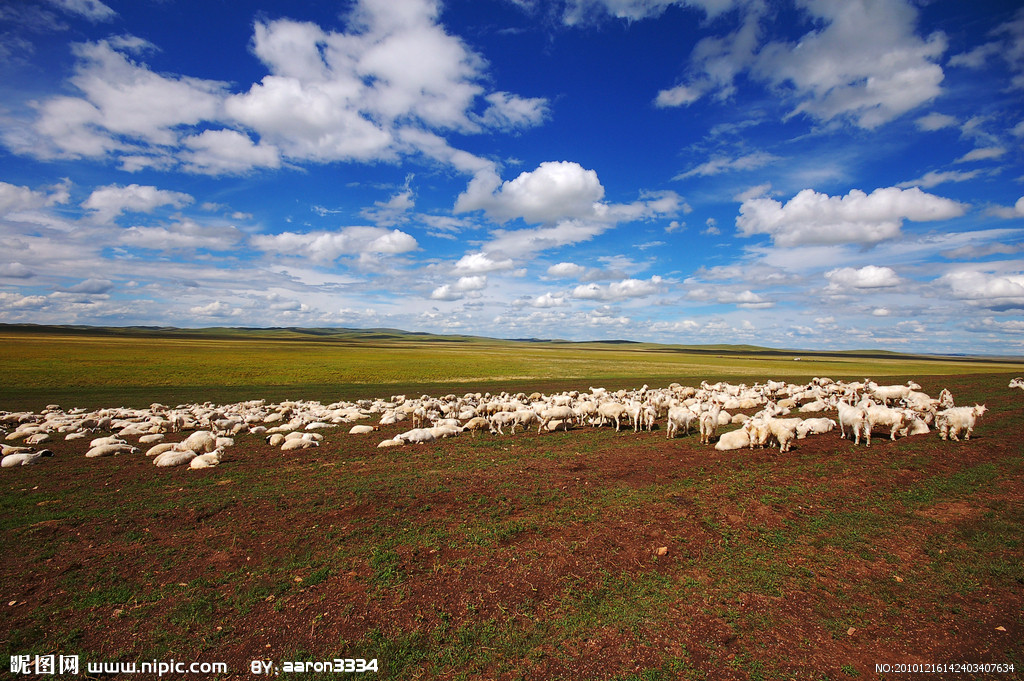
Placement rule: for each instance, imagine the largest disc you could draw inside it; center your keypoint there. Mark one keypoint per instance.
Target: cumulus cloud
(184, 235)
(566, 270)
(814, 218)
(620, 290)
(556, 190)
(110, 201)
(460, 288)
(867, 277)
(16, 199)
(862, 61)
(376, 90)
(123, 105)
(481, 263)
(1014, 211)
(325, 247)
(991, 290)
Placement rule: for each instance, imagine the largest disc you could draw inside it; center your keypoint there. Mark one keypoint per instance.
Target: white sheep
(111, 450)
(878, 415)
(951, 422)
(206, 460)
(476, 424)
(174, 457)
(679, 417)
(816, 426)
(709, 423)
(734, 439)
(1017, 383)
(24, 458)
(416, 436)
(559, 413)
(362, 430)
(297, 443)
(855, 418)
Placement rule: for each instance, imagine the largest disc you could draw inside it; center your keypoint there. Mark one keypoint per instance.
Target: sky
(809, 174)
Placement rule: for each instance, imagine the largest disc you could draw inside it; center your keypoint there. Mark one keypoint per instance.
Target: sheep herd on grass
(861, 409)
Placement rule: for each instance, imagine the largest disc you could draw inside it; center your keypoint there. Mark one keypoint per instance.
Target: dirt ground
(532, 556)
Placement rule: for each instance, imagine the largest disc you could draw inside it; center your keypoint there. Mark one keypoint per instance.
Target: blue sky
(806, 174)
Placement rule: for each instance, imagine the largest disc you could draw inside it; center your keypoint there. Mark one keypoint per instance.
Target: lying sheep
(174, 457)
(814, 427)
(734, 439)
(111, 450)
(24, 458)
(206, 460)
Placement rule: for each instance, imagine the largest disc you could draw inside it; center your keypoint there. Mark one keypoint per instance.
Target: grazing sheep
(560, 413)
(955, 420)
(612, 411)
(1017, 383)
(24, 458)
(476, 424)
(362, 430)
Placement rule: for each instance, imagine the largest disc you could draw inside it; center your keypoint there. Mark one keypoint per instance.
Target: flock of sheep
(861, 408)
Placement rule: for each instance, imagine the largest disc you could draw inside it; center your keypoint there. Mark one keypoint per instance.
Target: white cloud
(185, 235)
(935, 121)
(620, 290)
(865, 62)
(507, 111)
(1015, 211)
(988, 289)
(933, 178)
(93, 10)
(324, 247)
(680, 95)
(862, 61)
(556, 190)
(723, 164)
(16, 199)
(459, 289)
(374, 91)
(216, 310)
(216, 152)
(813, 218)
(110, 201)
(981, 154)
(481, 263)
(124, 104)
(15, 270)
(867, 277)
(566, 270)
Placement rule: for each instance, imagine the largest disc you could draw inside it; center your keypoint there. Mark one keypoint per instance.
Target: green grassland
(92, 366)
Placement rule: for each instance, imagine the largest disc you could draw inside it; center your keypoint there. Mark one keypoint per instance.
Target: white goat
(955, 420)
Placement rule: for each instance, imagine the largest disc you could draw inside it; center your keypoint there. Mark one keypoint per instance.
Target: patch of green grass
(961, 484)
